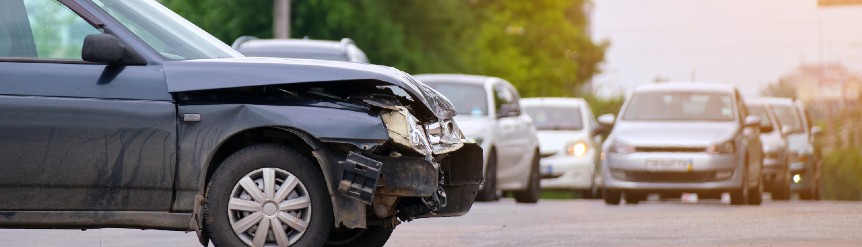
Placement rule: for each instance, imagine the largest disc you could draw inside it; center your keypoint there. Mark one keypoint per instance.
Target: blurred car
(683, 137)
(489, 112)
(568, 143)
(343, 50)
(805, 160)
(776, 164)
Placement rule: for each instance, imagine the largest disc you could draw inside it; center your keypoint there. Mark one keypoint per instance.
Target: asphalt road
(565, 223)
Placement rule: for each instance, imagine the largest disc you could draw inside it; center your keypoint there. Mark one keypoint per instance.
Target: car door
(511, 126)
(76, 135)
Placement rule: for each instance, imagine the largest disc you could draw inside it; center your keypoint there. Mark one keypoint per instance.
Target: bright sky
(747, 43)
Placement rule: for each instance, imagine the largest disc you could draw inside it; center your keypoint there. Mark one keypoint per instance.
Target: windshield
(556, 117)
(761, 111)
(787, 116)
(679, 106)
(468, 99)
(169, 34)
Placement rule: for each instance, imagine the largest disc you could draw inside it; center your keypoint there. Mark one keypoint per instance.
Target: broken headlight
(445, 136)
(405, 130)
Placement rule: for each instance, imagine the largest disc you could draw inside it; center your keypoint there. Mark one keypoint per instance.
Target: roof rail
(238, 42)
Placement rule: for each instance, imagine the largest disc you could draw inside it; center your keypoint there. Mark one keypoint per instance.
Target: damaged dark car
(117, 113)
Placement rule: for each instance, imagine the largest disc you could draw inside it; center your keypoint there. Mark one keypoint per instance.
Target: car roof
(292, 44)
(553, 101)
(686, 86)
(454, 78)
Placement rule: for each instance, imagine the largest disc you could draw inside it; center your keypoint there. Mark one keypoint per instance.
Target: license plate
(668, 165)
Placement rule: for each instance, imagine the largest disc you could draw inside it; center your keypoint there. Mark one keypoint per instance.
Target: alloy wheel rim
(269, 207)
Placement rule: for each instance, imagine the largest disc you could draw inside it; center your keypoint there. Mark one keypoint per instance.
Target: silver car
(776, 156)
(683, 137)
(805, 158)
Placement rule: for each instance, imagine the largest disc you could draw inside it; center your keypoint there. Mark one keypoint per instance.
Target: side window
(743, 109)
(502, 96)
(49, 30)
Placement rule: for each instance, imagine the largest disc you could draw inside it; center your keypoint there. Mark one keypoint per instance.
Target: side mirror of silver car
(752, 121)
(786, 130)
(606, 119)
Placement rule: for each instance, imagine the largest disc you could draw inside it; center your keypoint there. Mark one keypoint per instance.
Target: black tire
(612, 197)
(782, 190)
(740, 196)
(531, 193)
(373, 236)
(755, 195)
(634, 198)
(239, 166)
(488, 192)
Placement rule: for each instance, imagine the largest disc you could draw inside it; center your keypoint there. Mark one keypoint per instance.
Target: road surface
(565, 223)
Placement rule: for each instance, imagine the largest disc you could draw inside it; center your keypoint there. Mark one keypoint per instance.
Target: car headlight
(621, 147)
(445, 136)
(727, 147)
(404, 129)
(578, 149)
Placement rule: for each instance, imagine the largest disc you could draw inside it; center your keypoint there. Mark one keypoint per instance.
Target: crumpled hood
(673, 134)
(552, 141)
(205, 74)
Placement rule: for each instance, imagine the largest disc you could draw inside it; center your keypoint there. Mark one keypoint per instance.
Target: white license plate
(668, 165)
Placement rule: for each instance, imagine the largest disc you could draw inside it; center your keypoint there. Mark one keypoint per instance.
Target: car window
(468, 99)
(761, 112)
(556, 117)
(788, 116)
(504, 96)
(50, 30)
(680, 106)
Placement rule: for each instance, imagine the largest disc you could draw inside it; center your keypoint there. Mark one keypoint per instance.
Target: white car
(490, 113)
(568, 143)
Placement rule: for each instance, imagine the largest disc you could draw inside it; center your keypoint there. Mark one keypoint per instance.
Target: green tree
(542, 47)
(781, 88)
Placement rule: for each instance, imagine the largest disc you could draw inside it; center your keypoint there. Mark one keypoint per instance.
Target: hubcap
(269, 207)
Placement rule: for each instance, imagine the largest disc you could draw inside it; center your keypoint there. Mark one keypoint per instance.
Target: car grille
(670, 149)
(671, 177)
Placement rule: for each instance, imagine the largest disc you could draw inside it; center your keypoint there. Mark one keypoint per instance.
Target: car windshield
(556, 117)
(468, 99)
(169, 34)
(788, 116)
(761, 111)
(679, 106)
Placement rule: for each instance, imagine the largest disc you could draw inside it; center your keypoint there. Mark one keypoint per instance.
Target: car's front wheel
(612, 197)
(755, 195)
(740, 196)
(267, 195)
(782, 191)
(531, 193)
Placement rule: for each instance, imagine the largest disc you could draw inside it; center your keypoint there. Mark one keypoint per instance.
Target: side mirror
(816, 131)
(752, 121)
(606, 120)
(786, 130)
(507, 110)
(766, 128)
(102, 48)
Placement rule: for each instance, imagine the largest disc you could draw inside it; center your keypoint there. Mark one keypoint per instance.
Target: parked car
(569, 143)
(489, 112)
(683, 137)
(133, 117)
(806, 164)
(343, 50)
(776, 161)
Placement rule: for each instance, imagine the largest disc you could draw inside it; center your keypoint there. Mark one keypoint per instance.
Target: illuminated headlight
(404, 129)
(621, 147)
(727, 147)
(797, 178)
(578, 149)
(445, 136)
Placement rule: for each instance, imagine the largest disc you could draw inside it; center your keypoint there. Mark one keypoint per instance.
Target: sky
(747, 43)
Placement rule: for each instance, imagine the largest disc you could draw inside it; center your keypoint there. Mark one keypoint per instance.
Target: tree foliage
(781, 88)
(542, 47)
